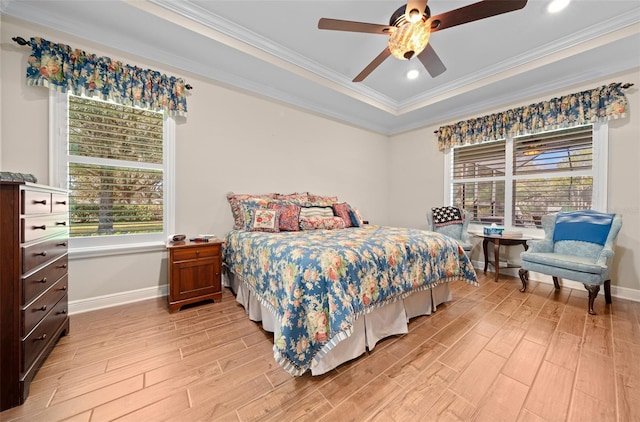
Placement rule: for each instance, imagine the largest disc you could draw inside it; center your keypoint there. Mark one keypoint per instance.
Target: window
(514, 181)
(114, 161)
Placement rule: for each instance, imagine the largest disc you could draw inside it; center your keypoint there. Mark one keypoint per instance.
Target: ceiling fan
(410, 28)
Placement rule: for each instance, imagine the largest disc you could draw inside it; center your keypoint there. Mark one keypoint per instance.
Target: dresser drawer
(42, 252)
(34, 228)
(36, 202)
(59, 203)
(43, 333)
(196, 252)
(41, 280)
(38, 309)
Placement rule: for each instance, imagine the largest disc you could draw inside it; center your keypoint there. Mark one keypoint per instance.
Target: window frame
(599, 172)
(115, 244)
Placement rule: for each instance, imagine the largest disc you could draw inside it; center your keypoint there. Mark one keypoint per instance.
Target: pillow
(343, 210)
(294, 198)
(317, 223)
(289, 215)
(322, 201)
(264, 220)
(356, 218)
(235, 202)
(308, 212)
(247, 207)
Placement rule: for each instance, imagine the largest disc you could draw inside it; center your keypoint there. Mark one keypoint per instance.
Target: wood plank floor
(491, 354)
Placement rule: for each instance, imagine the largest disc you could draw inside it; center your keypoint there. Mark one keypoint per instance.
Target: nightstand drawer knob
(42, 337)
(44, 280)
(43, 253)
(42, 308)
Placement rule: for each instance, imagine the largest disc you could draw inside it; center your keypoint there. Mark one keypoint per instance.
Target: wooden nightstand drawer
(196, 252)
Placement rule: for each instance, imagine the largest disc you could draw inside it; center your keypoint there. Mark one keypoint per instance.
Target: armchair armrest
(540, 245)
(604, 256)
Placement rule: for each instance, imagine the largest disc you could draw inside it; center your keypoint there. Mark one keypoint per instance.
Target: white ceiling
(274, 49)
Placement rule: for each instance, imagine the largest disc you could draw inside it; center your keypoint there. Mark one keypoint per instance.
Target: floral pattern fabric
(600, 104)
(63, 68)
(319, 282)
(319, 223)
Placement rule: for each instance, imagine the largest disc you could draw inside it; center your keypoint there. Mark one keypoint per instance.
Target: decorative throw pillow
(308, 212)
(247, 207)
(264, 220)
(289, 216)
(322, 201)
(297, 198)
(356, 219)
(235, 202)
(343, 210)
(317, 223)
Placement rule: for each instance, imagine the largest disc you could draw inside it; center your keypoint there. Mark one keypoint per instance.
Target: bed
(329, 294)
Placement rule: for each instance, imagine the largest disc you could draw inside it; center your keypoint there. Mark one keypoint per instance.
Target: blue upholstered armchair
(456, 230)
(578, 246)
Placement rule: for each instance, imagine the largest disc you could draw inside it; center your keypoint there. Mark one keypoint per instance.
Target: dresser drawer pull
(42, 308)
(61, 202)
(62, 244)
(43, 202)
(63, 288)
(197, 252)
(44, 280)
(64, 311)
(61, 223)
(61, 266)
(42, 227)
(43, 253)
(42, 337)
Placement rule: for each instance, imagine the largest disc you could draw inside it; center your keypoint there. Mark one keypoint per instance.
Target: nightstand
(194, 272)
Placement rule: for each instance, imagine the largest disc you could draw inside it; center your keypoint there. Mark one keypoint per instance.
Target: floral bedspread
(319, 282)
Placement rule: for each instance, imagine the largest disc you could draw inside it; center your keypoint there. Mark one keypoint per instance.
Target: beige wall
(230, 141)
(233, 141)
(414, 156)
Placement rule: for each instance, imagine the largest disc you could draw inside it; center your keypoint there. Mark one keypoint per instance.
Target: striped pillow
(310, 212)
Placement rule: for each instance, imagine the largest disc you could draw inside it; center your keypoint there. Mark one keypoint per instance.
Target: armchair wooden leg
(607, 291)
(556, 283)
(593, 292)
(524, 276)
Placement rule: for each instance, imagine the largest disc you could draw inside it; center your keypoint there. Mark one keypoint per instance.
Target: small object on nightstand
(178, 237)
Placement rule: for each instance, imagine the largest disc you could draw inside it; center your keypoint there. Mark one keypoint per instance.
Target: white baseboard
(107, 301)
(616, 291)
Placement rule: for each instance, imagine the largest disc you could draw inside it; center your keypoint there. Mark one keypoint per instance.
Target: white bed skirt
(388, 320)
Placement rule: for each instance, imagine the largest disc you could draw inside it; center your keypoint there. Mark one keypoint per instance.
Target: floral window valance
(60, 67)
(600, 104)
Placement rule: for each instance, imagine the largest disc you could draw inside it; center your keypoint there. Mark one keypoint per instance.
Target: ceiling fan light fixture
(556, 6)
(409, 39)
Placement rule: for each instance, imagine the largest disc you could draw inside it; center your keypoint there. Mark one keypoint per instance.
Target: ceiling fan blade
(351, 26)
(474, 12)
(431, 61)
(371, 66)
(418, 5)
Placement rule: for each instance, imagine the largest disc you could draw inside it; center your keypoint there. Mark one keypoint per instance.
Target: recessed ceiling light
(413, 73)
(557, 5)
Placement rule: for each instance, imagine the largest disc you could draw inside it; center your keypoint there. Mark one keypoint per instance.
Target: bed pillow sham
(318, 223)
(264, 220)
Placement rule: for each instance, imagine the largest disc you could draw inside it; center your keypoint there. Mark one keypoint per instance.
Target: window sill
(112, 250)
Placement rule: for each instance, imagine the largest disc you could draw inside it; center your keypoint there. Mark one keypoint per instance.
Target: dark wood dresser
(34, 231)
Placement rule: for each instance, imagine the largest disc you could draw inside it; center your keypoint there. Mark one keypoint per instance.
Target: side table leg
(486, 257)
(524, 276)
(496, 258)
